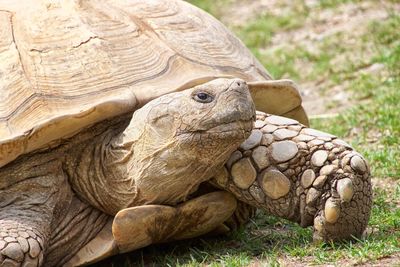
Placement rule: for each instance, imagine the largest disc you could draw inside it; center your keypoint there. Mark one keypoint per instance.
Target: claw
(345, 189)
(332, 211)
(139, 226)
(358, 164)
(318, 235)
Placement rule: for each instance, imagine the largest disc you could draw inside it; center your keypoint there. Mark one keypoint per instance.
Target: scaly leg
(42, 223)
(21, 242)
(26, 213)
(303, 175)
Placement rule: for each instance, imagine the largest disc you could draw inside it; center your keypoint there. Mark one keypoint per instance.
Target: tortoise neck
(97, 168)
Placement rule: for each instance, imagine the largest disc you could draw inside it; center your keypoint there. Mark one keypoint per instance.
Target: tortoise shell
(65, 65)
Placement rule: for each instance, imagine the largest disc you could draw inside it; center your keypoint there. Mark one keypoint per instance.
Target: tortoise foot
(345, 211)
(303, 175)
(141, 226)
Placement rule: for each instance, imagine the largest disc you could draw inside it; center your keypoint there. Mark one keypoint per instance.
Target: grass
(258, 32)
(377, 118)
(371, 125)
(213, 7)
(333, 3)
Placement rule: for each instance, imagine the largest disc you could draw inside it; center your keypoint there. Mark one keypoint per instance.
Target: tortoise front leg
(26, 212)
(303, 175)
(21, 243)
(141, 226)
(42, 223)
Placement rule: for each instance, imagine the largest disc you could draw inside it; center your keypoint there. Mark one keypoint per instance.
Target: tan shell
(65, 65)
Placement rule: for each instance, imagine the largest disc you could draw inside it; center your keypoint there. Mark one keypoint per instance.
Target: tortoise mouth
(244, 125)
(239, 129)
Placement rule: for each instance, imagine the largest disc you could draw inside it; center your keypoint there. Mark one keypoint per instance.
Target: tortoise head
(176, 141)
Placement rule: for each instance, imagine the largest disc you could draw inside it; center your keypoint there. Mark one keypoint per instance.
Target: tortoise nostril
(238, 84)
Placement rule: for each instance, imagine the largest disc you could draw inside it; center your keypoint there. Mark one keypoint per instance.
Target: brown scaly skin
(280, 168)
(101, 192)
(52, 203)
(303, 175)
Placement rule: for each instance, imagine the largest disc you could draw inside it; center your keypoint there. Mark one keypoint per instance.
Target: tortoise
(127, 123)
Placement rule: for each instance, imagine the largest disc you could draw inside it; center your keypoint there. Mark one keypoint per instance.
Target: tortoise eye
(203, 97)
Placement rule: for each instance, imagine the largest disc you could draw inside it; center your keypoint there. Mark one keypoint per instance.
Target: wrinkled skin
(167, 141)
(131, 182)
(56, 201)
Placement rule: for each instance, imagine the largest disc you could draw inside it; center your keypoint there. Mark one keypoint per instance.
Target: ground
(345, 56)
